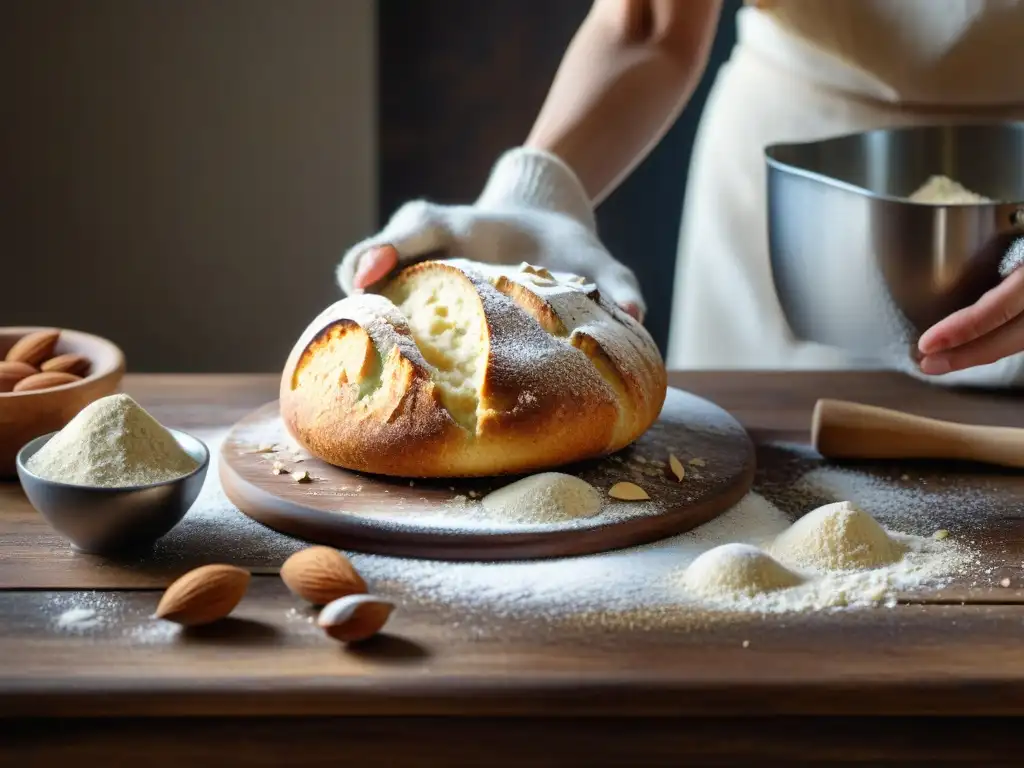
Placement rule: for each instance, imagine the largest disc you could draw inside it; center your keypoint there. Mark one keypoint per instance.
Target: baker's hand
(989, 330)
(533, 209)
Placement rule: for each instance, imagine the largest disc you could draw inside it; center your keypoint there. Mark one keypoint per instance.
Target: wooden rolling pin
(842, 430)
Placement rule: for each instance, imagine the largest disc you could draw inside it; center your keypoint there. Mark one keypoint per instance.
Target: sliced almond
(698, 462)
(677, 467)
(628, 492)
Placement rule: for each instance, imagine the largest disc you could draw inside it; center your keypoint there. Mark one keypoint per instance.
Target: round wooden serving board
(435, 519)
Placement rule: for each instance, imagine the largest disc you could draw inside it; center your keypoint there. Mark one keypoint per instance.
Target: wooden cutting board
(436, 519)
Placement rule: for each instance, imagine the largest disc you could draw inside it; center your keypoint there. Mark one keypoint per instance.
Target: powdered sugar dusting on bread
(534, 358)
(582, 309)
(585, 314)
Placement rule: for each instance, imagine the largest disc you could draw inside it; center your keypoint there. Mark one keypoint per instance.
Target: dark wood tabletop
(257, 691)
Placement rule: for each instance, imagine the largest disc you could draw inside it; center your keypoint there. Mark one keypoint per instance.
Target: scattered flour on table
(215, 530)
(655, 584)
(78, 618)
(83, 612)
(648, 580)
(657, 579)
(902, 502)
(112, 442)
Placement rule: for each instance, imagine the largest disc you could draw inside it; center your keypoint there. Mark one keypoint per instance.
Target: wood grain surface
(366, 513)
(924, 658)
(537, 741)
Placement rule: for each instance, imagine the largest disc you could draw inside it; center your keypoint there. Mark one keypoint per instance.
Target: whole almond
(69, 363)
(321, 575)
(33, 348)
(204, 595)
(355, 617)
(12, 373)
(38, 381)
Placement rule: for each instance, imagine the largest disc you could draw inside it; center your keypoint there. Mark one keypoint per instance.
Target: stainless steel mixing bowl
(858, 266)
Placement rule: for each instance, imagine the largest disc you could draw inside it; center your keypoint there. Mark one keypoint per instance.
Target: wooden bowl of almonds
(47, 375)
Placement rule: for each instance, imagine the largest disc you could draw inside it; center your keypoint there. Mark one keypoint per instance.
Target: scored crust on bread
(464, 369)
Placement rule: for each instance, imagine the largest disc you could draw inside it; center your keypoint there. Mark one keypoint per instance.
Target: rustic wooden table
(256, 692)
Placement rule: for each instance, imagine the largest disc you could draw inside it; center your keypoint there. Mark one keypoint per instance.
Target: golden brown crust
(560, 375)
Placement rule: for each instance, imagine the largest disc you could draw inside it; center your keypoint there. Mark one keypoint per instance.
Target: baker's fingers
(417, 228)
(996, 308)
(633, 311)
(1006, 340)
(374, 265)
(616, 281)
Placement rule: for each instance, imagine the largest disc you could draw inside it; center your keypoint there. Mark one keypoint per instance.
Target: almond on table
(320, 575)
(204, 595)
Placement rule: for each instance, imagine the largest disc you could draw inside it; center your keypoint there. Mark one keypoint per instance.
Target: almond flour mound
(112, 443)
(836, 537)
(548, 497)
(942, 190)
(732, 569)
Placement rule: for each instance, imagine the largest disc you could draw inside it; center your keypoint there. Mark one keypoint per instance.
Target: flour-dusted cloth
(804, 70)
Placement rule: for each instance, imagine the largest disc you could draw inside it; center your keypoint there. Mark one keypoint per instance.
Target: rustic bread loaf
(463, 369)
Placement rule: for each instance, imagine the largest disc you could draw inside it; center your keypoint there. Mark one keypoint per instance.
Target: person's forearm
(626, 76)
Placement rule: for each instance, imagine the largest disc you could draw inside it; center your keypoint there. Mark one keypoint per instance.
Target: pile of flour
(837, 537)
(548, 497)
(942, 190)
(112, 443)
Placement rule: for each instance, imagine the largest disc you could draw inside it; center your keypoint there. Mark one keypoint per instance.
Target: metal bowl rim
(101, 490)
(776, 164)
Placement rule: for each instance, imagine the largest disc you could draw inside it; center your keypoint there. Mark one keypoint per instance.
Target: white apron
(804, 70)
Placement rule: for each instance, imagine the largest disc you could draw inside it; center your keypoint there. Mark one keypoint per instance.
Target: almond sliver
(628, 492)
(677, 467)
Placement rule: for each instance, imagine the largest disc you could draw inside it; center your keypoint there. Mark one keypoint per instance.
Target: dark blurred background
(462, 80)
(182, 177)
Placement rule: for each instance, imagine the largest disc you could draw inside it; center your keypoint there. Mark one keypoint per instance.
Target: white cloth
(804, 70)
(533, 209)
